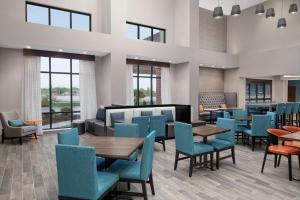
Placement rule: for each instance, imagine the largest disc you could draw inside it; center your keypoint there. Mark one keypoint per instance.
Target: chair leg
(144, 190)
(151, 184)
(191, 166)
(164, 144)
(176, 160)
(233, 154)
(264, 162)
(290, 168)
(275, 160)
(253, 142)
(128, 186)
(2, 136)
(35, 136)
(217, 159)
(20, 140)
(212, 161)
(279, 159)
(299, 160)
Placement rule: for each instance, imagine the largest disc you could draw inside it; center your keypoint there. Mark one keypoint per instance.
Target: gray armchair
(10, 132)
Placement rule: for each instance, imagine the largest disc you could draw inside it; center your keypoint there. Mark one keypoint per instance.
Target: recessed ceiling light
(84, 52)
(60, 50)
(223, 67)
(153, 59)
(201, 64)
(213, 65)
(28, 47)
(136, 58)
(170, 61)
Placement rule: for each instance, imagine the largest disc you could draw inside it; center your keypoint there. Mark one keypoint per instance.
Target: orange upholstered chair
(291, 129)
(274, 148)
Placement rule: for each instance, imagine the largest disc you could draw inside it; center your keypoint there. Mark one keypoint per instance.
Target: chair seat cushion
(200, 148)
(292, 144)
(126, 169)
(248, 132)
(99, 161)
(26, 129)
(283, 150)
(219, 144)
(240, 128)
(105, 181)
(16, 122)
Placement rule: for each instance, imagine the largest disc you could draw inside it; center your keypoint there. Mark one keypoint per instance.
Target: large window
(59, 91)
(258, 91)
(142, 32)
(147, 84)
(52, 16)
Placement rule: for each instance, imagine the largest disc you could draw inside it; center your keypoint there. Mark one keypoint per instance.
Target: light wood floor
(29, 172)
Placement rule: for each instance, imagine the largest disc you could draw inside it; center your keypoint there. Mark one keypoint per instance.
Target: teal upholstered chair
(288, 113)
(143, 123)
(138, 171)
(260, 124)
(127, 130)
(224, 141)
(185, 145)
(295, 111)
(226, 115)
(158, 124)
(280, 110)
(71, 137)
(77, 173)
(273, 119)
(240, 126)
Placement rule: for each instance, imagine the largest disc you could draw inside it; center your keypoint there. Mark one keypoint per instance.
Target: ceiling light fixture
(270, 13)
(136, 58)
(153, 59)
(28, 47)
(260, 9)
(213, 65)
(282, 21)
(201, 64)
(218, 12)
(84, 52)
(293, 8)
(170, 61)
(236, 10)
(60, 50)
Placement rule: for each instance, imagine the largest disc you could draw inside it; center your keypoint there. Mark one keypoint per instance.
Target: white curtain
(87, 84)
(31, 90)
(129, 85)
(165, 86)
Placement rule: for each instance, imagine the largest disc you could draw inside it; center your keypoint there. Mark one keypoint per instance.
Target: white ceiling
(227, 4)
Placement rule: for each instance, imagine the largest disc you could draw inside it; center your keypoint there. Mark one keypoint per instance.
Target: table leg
(205, 155)
(211, 117)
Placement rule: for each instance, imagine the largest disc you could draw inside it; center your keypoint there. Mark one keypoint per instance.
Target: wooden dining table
(247, 118)
(205, 132)
(112, 147)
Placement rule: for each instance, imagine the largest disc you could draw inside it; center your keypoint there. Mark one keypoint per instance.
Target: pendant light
(270, 13)
(260, 9)
(236, 10)
(218, 12)
(293, 8)
(282, 21)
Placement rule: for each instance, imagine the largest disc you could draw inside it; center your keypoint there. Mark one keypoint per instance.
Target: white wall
(11, 77)
(264, 49)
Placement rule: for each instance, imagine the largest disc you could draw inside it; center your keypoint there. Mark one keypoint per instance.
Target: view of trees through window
(258, 90)
(59, 92)
(146, 84)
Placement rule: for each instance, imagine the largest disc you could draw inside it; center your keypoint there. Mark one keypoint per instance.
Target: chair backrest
(272, 115)
(147, 156)
(226, 124)
(226, 115)
(239, 112)
(68, 137)
(260, 124)
(5, 116)
(126, 130)
(296, 106)
(143, 123)
(76, 171)
(274, 134)
(291, 129)
(158, 124)
(288, 108)
(280, 108)
(184, 140)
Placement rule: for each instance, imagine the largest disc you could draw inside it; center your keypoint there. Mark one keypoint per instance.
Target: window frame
(248, 98)
(151, 77)
(61, 9)
(49, 73)
(152, 28)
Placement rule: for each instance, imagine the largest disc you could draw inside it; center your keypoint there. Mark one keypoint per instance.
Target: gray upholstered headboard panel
(211, 99)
